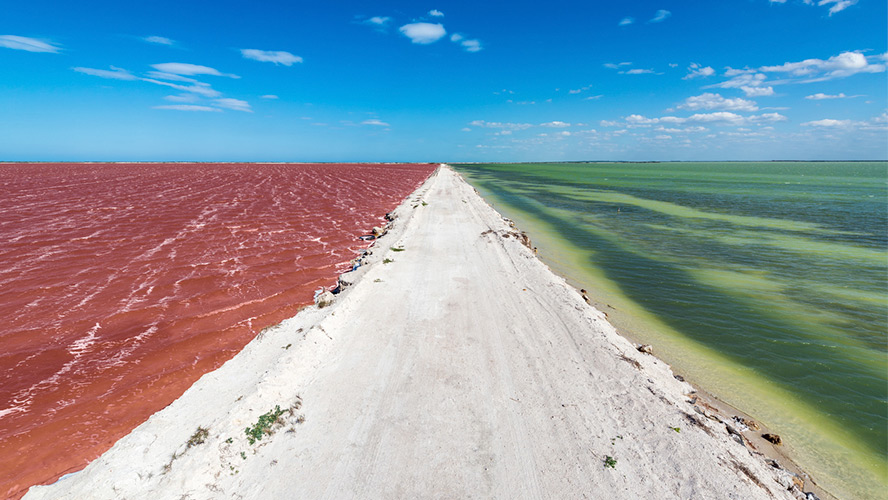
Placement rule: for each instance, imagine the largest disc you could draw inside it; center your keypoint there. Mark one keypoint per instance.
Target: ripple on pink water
(121, 284)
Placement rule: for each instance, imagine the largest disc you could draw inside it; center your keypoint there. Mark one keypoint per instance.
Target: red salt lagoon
(122, 284)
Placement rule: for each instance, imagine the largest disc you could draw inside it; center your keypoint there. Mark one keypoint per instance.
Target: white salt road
(462, 369)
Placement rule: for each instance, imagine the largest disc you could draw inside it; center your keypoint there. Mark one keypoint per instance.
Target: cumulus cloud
(828, 122)
(696, 70)
(637, 72)
(160, 40)
(718, 117)
(273, 56)
(114, 73)
(507, 126)
(839, 66)
(626, 21)
(27, 44)
(375, 122)
(616, 65)
(757, 91)
(188, 107)
(423, 33)
(710, 101)
(268, 96)
(471, 45)
(436, 13)
(660, 16)
(235, 104)
(189, 69)
(378, 20)
(555, 124)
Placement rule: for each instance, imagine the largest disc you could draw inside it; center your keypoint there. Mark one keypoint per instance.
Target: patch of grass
(424, 204)
(610, 461)
(287, 346)
(676, 429)
(244, 455)
(397, 249)
(387, 261)
(377, 280)
(229, 440)
(265, 425)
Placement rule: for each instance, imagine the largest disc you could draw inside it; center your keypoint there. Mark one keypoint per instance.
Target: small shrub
(610, 461)
(265, 424)
(387, 261)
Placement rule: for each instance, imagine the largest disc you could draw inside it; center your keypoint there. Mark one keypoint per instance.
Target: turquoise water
(765, 283)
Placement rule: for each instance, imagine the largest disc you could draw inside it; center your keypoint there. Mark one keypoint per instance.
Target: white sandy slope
(463, 369)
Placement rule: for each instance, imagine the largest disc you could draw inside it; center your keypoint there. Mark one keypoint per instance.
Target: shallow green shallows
(764, 283)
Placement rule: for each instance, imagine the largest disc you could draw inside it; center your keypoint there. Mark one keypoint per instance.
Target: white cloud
(828, 122)
(375, 122)
(617, 65)
(839, 5)
(778, 1)
(160, 75)
(593, 97)
(743, 80)
(723, 117)
(423, 33)
(274, 56)
(466, 129)
(508, 126)
(555, 124)
(637, 72)
(378, 21)
(436, 13)
(456, 37)
(188, 107)
(189, 69)
(716, 101)
(27, 44)
(198, 88)
(840, 66)
(663, 137)
(757, 91)
(268, 96)
(626, 21)
(820, 96)
(696, 70)
(471, 45)
(160, 40)
(235, 104)
(114, 73)
(661, 16)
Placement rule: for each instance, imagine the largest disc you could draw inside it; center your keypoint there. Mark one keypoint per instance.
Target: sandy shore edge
(454, 363)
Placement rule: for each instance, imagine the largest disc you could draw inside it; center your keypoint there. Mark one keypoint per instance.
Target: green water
(764, 283)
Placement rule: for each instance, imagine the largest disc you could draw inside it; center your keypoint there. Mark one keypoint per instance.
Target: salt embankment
(455, 364)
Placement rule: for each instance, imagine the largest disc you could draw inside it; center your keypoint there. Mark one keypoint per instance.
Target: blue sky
(443, 81)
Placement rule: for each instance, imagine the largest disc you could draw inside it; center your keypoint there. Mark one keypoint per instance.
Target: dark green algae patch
(777, 268)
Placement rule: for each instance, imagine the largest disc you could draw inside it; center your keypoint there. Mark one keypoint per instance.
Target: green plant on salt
(265, 424)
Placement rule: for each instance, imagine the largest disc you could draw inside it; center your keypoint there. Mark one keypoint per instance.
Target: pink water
(122, 284)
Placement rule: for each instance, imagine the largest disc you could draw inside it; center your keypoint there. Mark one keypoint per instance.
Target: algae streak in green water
(765, 283)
